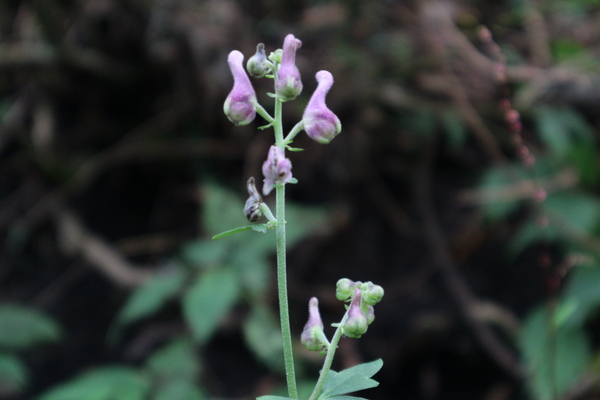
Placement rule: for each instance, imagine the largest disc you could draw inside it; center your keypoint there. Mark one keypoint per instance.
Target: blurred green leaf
(564, 49)
(13, 375)
(107, 383)
(584, 158)
(273, 398)
(581, 297)
(178, 390)
(573, 211)
(570, 215)
(175, 360)
(205, 253)
(222, 209)
(350, 380)
(555, 356)
(455, 128)
(208, 301)
(22, 327)
(560, 128)
(151, 296)
(263, 336)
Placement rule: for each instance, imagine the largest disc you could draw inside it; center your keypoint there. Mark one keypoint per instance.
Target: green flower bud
(344, 289)
(356, 324)
(372, 294)
(313, 337)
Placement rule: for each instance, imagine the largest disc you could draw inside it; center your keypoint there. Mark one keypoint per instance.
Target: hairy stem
(284, 315)
(328, 359)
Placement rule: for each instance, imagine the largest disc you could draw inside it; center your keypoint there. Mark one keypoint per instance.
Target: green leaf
(570, 214)
(351, 380)
(581, 296)
(205, 253)
(178, 390)
(573, 210)
(273, 398)
(262, 228)
(556, 356)
(208, 301)
(22, 327)
(560, 128)
(151, 296)
(346, 398)
(455, 128)
(177, 359)
(107, 383)
(262, 333)
(222, 209)
(13, 375)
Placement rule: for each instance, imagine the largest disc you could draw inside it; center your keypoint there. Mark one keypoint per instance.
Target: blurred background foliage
(465, 182)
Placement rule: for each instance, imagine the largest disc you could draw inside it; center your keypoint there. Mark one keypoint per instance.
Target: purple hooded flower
(288, 84)
(277, 169)
(320, 123)
(312, 336)
(356, 324)
(240, 105)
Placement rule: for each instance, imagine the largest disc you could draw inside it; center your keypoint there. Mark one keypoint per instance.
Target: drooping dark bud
(252, 207)
(258, 65)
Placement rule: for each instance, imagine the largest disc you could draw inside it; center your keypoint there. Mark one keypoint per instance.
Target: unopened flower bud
(277, 169)
(356, 324)
(240, 105)
(372, 294)
(320, 123)
(369, 313)
(252, 207)
(258, 65)
(344, 289)
(288, 84)
(313, 337)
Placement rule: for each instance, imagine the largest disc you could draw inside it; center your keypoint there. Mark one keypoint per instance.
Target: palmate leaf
(350, 380)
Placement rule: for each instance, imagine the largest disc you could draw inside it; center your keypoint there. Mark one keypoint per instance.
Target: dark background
(111, 122)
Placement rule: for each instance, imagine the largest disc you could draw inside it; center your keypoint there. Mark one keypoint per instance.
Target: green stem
(328, 359)
(284, 316)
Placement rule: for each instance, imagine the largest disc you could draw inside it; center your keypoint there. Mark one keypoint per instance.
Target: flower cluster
(241, 106)
(360, 314)
(362, 296)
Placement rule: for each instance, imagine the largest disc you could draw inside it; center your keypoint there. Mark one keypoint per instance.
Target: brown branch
(76, 239)
(466, 301)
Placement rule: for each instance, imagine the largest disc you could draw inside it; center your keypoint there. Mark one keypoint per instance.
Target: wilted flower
(288, 84)
(313, 337)
(356, 324)
(277, 169)
(240, 105)
(320, 123)
(252, 206)
(258, 65)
